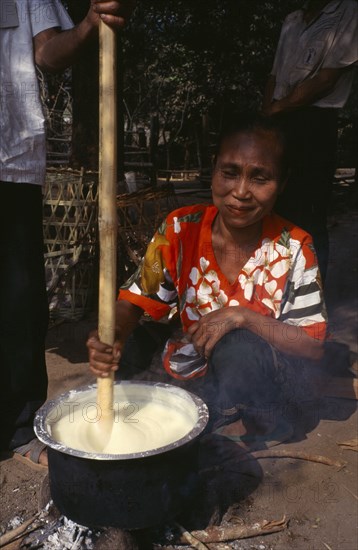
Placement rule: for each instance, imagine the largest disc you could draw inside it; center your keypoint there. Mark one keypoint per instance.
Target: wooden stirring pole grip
(107, 215)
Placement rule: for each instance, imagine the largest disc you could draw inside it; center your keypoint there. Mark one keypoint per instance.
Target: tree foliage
(183, 60)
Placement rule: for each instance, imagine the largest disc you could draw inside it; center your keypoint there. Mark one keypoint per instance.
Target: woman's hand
(206, 332)
(102, 358)
(290, 339)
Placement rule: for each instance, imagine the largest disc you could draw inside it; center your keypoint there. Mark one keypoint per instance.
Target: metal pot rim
(43, 434)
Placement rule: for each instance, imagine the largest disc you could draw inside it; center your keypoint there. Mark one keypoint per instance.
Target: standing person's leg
(23, 313)
(321, 168)
(292, 203)
(312, 135)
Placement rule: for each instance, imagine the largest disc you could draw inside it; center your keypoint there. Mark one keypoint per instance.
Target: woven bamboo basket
(70, 239)
(71, 236)
(139, 215)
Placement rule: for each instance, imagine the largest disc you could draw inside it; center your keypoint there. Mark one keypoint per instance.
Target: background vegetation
(183, 64)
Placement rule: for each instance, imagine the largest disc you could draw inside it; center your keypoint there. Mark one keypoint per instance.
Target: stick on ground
(18, 531)
(223, 533)
(300, 455)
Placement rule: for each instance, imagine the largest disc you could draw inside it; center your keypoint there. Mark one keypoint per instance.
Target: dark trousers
(23, 311)
(242, 379)
(312, 135)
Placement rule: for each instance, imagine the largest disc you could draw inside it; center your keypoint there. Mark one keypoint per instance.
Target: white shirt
(330, 41)
(22, 124)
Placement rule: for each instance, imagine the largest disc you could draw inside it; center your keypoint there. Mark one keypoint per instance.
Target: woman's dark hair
(250, 122)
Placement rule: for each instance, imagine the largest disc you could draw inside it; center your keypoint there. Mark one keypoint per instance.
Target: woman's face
(247, 177)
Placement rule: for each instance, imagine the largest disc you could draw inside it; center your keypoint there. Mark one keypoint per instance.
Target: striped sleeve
(303, 303)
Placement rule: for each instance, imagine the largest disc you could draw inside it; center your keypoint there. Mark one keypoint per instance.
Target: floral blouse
(180, 272)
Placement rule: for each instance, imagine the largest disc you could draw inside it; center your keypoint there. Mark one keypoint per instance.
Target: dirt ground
(319, 501)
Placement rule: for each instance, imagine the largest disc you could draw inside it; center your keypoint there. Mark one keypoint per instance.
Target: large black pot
(130, 491)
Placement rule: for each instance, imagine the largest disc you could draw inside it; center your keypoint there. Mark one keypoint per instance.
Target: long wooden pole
(107, 217)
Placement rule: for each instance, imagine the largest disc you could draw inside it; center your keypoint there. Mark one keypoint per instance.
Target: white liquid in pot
(138, 426)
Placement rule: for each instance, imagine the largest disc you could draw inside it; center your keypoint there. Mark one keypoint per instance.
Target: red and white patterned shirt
(179, 270)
